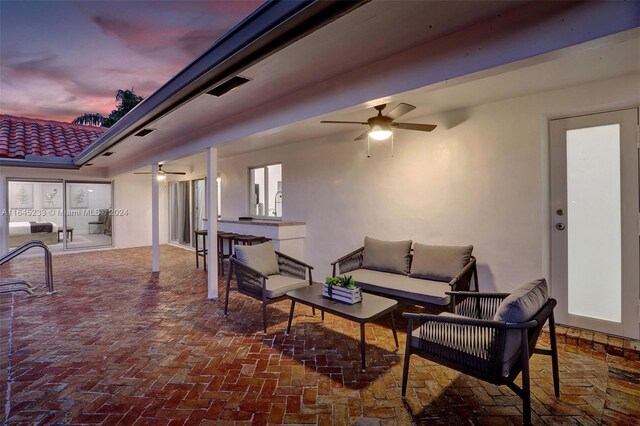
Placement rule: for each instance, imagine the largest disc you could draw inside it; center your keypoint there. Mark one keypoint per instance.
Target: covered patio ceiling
(598, 63)
(348, 63)
(590, 64)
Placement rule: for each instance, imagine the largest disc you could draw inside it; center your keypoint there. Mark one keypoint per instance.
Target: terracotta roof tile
(22, 136)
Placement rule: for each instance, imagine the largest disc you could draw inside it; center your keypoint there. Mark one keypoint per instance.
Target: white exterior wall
(480, 178)
(133, 192)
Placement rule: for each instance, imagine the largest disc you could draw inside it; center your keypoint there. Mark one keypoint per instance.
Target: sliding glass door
(71, 214)
(187, 210)
(89, 215)
(199, 204)
(36, 212)
(179, 213)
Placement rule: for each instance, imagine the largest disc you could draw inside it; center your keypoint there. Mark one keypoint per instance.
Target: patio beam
(212, 222)
(155, 220)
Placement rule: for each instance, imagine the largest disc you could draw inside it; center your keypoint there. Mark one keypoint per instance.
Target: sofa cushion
(464, 338)
(396, 285)
(261, 257)
(278, 285)
(520, 306)
(439, 263)
(388, 256)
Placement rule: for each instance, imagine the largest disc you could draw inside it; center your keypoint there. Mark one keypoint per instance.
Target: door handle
(560, 226)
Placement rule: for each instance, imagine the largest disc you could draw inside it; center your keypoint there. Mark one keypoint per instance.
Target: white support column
(4, 215)
(212, 222)
(155, 220)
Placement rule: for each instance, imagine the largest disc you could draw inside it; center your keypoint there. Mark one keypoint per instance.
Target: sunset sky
(60, 59)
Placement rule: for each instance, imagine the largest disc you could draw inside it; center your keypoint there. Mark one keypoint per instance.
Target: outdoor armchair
(266, 275)
(474, 342)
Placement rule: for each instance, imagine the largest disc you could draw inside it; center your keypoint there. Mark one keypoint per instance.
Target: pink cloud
(77, 66)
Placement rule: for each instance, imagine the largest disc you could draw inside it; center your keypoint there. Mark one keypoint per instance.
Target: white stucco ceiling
(597, 63)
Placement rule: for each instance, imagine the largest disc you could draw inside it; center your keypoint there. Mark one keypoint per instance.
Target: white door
(595, 221)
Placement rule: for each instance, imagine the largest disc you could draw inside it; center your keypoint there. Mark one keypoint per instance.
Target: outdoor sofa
(419, 275)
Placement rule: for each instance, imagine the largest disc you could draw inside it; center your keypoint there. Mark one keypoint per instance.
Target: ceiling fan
(381, 126)
(160, 172)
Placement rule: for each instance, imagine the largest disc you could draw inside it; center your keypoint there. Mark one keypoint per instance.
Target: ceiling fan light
(161, 176)
(380, 132)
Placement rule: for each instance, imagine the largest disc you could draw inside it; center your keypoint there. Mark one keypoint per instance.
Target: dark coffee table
(371, 308)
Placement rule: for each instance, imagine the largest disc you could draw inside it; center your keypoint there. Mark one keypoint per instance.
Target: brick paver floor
(119, 345)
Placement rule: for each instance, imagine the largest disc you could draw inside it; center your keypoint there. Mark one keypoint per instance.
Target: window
(265, 191)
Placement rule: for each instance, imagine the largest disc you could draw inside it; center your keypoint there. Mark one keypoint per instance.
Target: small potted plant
(343, 289)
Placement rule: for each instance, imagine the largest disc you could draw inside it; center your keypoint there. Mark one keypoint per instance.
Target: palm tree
(127, 100)
(89, 119)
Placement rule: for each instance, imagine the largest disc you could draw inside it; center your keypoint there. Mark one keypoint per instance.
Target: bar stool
(201, 252)
(249, 240)
(222, 237)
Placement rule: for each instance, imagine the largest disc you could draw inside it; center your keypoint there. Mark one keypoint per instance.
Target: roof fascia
(41, 163)
(273, 26)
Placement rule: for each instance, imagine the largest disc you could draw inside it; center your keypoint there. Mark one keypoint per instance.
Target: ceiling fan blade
(400, 110)
(142, 173)
(343, 122)
(412, 126)
(362, 136)
(175, 173)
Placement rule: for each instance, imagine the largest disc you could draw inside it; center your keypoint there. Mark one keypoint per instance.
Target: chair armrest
(299, 262)
(355, 257)
(347, 256)
(469, 321)
(472, 304)
(293, 267)
(455, 320)
(477, 294)
(462, 281)
(521, 325)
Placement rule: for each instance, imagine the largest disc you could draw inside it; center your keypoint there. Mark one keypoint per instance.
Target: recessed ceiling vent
(108, 154)
(228, 86)
(144, 132)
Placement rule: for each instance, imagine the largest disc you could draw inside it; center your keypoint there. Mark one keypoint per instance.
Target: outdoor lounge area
(320, 212)
(128, 346)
